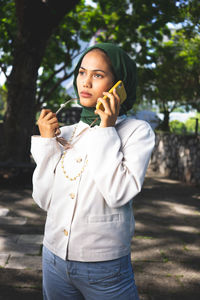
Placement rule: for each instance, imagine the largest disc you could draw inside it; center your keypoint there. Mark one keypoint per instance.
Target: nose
(87, 82)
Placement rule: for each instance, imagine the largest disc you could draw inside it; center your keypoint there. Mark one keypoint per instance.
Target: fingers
(47, 123)
(47, 114)
(117, 102)
(100, 113)
(52, 120)
(108, 102)
(111, 104)
(44, 112)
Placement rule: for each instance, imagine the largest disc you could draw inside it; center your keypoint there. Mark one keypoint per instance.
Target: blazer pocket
(103, 218)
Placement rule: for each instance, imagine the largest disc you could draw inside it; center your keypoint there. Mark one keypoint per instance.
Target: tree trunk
(36, 21)
(165, 123)
(20, 112)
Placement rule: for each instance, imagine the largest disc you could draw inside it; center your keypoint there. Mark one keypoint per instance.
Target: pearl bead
(79, 160)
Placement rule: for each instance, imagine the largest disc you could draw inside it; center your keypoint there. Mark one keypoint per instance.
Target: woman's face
(94, 77)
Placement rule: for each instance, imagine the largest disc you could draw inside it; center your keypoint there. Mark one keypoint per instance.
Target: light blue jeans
(72, 280)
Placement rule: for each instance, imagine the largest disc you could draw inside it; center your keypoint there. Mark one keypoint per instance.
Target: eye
(81, 72)
(98, 76)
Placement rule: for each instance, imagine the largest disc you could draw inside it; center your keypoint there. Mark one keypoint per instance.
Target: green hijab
(124, 69)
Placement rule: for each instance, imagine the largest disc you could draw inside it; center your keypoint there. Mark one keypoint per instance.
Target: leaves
(168, 65)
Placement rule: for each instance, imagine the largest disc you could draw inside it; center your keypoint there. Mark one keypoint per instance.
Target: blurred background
(40, 43)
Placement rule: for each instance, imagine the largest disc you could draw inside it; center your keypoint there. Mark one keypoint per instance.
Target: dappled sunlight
(167, 180)
(196, 196)
(184, 209)
(165, 249)
(190, 229)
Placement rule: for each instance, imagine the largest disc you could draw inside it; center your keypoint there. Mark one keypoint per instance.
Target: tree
(36, 21)
(174, 79)
(3, 96)
(193, 124)
(145, 26)
(190, 53)
(137, 26)
(63, 48)
(133, 24)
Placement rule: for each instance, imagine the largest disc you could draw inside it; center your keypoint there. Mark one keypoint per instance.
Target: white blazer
(91, 218)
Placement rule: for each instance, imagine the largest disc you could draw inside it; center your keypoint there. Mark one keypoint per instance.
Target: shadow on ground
(20, 284)
(166, 245)
(165, 249)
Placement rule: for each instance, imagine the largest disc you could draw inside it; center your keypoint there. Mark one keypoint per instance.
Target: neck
(88, 116)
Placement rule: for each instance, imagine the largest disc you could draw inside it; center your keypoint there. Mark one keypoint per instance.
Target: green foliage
(177, 127)
(135, 25)
(8, 29)
(168, 61)
(191, 124)
(62, 48)
(188, 127)
(173, 80)
(3, 96)
(179, 109)
(168, 66)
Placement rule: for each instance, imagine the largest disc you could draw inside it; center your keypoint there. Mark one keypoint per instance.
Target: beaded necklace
(68, 144)
(78, 160)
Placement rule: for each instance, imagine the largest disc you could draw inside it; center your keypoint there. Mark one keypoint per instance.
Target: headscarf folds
(124, 69)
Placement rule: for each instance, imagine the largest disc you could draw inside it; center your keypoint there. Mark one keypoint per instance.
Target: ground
(165, 249)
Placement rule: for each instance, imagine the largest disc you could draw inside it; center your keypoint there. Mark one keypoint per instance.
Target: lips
(85, 94)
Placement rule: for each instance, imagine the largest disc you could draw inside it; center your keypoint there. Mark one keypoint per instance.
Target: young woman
(88, 186)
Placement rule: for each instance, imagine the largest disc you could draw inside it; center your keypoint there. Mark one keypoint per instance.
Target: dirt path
(166, 246)
(165, 249)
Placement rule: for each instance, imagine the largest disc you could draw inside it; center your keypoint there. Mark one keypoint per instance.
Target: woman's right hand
(47, 123)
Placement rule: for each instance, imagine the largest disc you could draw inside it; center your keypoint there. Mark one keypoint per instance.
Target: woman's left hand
(111, 112)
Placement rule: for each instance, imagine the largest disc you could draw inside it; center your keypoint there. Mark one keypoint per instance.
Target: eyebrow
(96, 70)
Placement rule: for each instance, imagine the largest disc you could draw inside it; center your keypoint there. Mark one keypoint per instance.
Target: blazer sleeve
(119, 170)
(46, 152)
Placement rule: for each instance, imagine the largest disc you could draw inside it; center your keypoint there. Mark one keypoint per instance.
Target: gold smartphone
(121, 92)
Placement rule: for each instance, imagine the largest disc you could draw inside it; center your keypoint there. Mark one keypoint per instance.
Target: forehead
(95, 59)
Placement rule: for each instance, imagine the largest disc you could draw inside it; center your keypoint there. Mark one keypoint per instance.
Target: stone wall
(177, 157)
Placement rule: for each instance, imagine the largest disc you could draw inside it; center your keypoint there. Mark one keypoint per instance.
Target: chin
(87, 103)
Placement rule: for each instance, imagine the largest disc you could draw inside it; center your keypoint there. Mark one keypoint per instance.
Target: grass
(185, 248)
(176, 277)
(164, 256)
(6, 263)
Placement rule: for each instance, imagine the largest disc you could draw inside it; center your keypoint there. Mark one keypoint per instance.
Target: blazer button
(72, 195)
(65, 232)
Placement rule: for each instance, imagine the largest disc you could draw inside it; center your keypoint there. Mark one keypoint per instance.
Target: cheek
(103, 87)
(106, 88)
(78, 82)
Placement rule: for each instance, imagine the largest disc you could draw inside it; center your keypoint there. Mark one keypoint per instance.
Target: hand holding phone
(120, 89)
